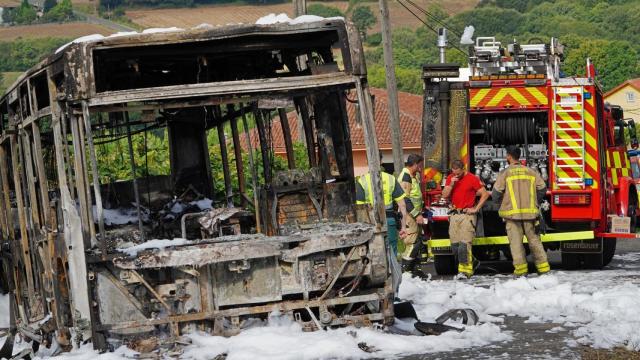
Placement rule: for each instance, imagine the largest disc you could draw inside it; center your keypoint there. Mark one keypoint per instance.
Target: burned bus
(134, 208)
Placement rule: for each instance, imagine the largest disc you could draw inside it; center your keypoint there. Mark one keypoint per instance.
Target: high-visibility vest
(519, 201)
(415, 195)
(388, 185)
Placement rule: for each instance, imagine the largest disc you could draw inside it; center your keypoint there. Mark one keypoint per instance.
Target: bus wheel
(608, 250)
(570, 261)
(445, 264)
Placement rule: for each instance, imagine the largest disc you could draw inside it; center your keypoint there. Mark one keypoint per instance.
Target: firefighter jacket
(414, 202)
(391, 190)
(518, 190)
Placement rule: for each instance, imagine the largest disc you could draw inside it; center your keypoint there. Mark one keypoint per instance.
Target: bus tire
(445, 264)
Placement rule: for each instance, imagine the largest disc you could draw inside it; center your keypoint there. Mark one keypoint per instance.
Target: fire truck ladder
(569, 137)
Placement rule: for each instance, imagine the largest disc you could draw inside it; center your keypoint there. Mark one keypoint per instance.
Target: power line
(429, 26)
(433, 17)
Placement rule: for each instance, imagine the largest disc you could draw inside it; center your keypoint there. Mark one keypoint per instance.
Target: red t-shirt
(463, 194)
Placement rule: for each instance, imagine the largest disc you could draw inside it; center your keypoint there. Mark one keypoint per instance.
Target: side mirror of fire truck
(633, 136)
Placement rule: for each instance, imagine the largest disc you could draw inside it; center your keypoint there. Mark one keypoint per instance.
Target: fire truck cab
(517, 95)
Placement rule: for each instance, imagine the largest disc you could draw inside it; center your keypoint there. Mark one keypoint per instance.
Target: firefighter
(409, 180)
(391, 191)
(463, 188)
(519, 209)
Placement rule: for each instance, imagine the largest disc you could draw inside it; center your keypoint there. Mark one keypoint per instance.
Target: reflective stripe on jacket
(388, 185)
(519, 184)
(415, 195)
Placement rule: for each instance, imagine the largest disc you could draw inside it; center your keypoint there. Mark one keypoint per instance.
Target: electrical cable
(429, 26)
(434, 18)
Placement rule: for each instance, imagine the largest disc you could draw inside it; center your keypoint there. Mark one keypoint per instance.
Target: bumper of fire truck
(443, 246)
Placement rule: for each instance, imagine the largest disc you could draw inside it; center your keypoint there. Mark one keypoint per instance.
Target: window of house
(631, 97)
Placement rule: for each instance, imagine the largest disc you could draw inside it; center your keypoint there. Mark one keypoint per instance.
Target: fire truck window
(619, 133)
(635, 169)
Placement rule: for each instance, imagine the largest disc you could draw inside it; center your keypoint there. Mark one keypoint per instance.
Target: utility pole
(299, 7)
(392, 88)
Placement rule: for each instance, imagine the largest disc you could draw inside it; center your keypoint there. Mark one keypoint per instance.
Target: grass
(619, 353)
(8, 78)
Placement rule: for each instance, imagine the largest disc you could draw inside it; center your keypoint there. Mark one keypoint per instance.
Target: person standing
(409, 180)
(519, 209)
(462, 188)
(391, 192)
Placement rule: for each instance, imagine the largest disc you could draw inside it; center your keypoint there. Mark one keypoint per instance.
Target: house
(410, 128)
(627, 95)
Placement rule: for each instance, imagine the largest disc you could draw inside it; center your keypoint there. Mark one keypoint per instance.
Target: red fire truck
(517, 95)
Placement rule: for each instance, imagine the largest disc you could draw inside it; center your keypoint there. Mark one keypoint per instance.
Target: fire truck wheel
(445, 264)
(571, 261)
(632, 212)
(593, 261)
(608, 249)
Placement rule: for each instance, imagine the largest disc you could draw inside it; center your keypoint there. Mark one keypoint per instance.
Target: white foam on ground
(154, 244)
(285, 340)
(4, 311)
(595, 308)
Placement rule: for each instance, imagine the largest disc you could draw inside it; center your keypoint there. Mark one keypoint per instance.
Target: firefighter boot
(408, 265)
(521, 270)
(465, 258)
(543, 267)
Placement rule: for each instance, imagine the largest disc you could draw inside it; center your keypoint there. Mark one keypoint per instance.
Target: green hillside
(606, 31)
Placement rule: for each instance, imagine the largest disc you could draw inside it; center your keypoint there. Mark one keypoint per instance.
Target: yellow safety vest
(519, 202)
(388, 185)
(415, 195)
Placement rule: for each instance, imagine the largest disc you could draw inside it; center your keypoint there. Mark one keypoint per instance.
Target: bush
(63, 11)
(323, 10)
(25, 14)
(374, 39)
(22, 54)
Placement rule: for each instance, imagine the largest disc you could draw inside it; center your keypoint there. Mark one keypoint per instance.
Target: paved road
(530, 340)
(92, 19)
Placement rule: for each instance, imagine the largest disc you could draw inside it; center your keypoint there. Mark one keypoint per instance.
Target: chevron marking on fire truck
(508, 97)
(591, 146)
(618, 165)
(575, 129)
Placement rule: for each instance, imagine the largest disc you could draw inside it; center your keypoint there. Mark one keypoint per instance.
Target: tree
(615, 61)
(63, 11)
(323, 10)
(363, 19)
(25, 14)
(48, 5)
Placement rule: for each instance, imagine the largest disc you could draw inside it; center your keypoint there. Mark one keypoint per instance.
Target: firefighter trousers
(516, 229)
(462, 230)
(413, 244)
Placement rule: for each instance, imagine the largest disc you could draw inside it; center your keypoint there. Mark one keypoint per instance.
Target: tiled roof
(635, 83)
(410, 123)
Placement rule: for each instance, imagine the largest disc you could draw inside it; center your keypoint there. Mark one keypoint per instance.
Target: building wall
(628, 98)
(361, 166)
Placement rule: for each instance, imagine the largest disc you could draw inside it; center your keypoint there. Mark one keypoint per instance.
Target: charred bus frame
(297, 245)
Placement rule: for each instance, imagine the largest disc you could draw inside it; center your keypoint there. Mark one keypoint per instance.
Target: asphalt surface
(92, 19)
(530, 340)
